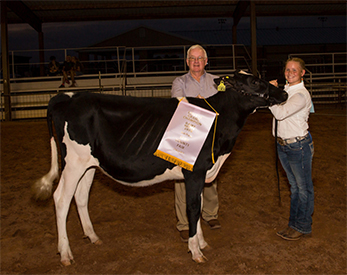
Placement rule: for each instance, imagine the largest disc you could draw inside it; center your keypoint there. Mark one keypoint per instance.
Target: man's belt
(290, 140)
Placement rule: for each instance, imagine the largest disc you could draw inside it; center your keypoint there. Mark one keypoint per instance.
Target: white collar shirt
(187, 86)
(293, 115)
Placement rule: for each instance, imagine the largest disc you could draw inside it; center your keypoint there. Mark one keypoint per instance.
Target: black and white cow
(120, 134)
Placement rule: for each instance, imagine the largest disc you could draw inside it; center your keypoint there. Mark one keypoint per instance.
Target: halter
(221, 87)
(265, 95)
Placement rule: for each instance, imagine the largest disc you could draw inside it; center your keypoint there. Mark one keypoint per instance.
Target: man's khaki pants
(210, 204)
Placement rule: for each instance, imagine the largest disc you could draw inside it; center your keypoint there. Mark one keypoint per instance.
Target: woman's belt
(290, 140)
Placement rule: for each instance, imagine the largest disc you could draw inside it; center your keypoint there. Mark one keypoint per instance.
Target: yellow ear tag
(221, 87)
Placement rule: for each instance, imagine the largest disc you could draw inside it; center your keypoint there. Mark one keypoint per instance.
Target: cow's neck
(233, 115)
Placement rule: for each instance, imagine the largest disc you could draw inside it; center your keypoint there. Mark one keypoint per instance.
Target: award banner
(185, 135)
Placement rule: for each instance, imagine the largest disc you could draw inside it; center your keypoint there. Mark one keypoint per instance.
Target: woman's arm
(290, 107)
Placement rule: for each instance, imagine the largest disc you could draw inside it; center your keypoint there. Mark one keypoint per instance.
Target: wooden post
(254, 39)
(42, 54)
(234, 34)
(5, 62)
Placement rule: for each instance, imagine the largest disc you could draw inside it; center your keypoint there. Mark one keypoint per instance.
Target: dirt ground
(137, 225)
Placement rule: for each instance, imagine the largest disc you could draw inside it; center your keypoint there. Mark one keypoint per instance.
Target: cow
(120, 135)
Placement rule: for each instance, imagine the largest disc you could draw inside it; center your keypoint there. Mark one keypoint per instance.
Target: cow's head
(257, 90)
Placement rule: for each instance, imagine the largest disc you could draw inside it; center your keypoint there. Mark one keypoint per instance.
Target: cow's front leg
(196, 241)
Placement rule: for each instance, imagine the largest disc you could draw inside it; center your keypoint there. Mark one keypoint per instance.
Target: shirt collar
(203, 75)
(294, 87)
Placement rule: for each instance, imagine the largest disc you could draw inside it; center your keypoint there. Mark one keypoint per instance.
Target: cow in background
(120, 134)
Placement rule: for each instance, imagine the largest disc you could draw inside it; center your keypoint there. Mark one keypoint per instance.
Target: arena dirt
(137, 225)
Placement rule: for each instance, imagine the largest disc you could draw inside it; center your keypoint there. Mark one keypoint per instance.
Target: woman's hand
(274, 82)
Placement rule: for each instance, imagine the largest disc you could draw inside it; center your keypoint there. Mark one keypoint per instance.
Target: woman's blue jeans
(296, 159)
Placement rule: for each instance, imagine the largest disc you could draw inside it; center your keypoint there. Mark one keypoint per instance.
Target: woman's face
(293, 73)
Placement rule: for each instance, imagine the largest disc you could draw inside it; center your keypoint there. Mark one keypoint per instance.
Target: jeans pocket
(295, 147)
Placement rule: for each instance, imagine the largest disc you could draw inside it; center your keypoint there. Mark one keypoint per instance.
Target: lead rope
(278, 176)
(215, 129)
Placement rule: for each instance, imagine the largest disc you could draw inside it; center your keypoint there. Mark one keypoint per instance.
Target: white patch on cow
(78, 154)
(70, 94)
(174, 174)
(213, 172)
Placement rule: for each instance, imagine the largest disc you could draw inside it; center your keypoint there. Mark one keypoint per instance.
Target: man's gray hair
(195, 47)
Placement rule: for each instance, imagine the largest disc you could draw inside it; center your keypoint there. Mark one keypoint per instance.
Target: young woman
(295, 149)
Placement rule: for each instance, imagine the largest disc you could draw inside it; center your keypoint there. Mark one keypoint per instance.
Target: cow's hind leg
(62, 199)
(82, 197)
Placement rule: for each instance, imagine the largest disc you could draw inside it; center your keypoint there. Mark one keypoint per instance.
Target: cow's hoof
(67, 262)
(98, 242)
(200, 260)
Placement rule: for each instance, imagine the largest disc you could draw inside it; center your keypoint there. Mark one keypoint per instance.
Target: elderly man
(195, 83)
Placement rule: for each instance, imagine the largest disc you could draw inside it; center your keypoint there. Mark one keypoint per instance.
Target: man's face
(196, 61)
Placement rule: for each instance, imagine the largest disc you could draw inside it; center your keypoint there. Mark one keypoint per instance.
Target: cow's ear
(217, 80)
(243, 72)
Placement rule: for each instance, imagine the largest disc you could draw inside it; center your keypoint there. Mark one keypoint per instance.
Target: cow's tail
(42, 188)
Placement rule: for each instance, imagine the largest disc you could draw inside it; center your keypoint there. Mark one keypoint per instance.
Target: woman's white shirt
(293, 115)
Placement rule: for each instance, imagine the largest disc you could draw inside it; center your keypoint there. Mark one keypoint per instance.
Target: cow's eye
(255, 82)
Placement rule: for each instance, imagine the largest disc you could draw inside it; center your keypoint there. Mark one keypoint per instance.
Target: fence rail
(135, 59)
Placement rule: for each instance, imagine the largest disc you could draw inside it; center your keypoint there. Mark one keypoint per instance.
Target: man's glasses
(199, 58)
